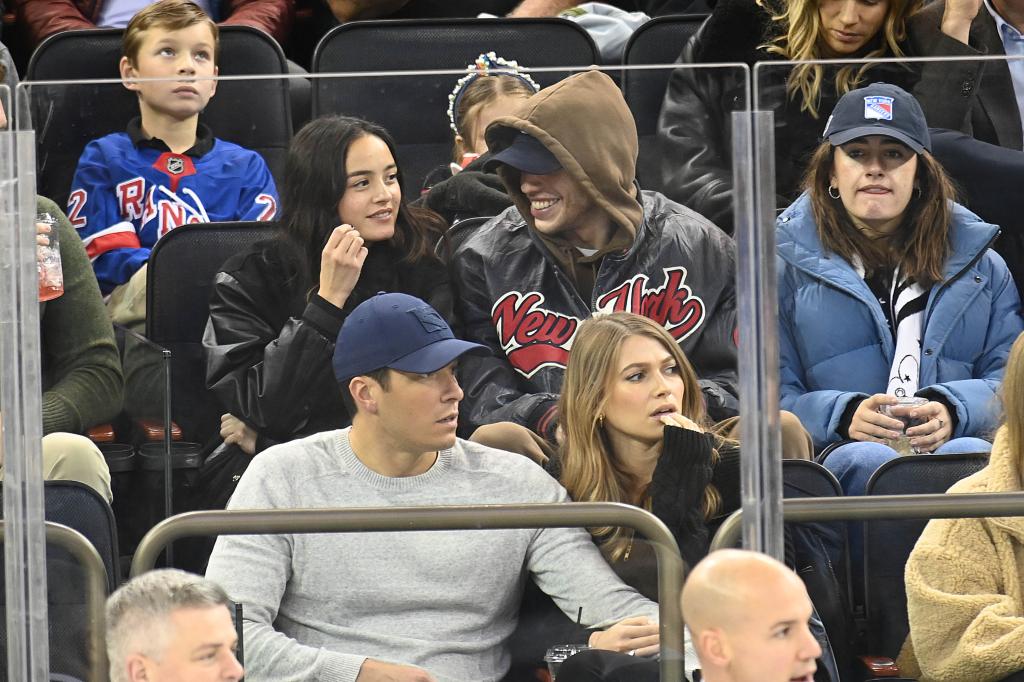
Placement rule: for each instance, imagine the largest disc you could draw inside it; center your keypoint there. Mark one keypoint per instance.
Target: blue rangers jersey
(128, 191)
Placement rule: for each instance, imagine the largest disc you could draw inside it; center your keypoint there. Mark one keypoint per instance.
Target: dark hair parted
(920, 246)
(382, 376)
(314, 182)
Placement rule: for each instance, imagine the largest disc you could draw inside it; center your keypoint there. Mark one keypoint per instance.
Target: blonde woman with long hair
(965, 577)
(696, 115)
(635, 432)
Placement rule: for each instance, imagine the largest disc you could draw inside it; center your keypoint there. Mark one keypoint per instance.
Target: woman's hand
(676, 419)
(935, 426)
(236, 432)
(515, 438)
(957, 17)
(868, 424)
(636, 636)
(341, 261)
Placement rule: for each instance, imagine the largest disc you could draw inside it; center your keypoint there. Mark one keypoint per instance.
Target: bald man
(748, 615)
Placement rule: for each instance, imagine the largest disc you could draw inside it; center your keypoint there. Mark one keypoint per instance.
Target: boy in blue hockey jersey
(167, 169)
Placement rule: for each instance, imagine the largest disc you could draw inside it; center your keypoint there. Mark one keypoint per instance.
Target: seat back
(180, 275)
(888, 543)
(659, 41)
(818, 554)
(255, 114)
(81, 508)
(414, 109)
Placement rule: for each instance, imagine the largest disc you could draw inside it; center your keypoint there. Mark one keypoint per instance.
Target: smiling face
(372, 193)
(645, 383)
(187, 56)
(559, 205)
(201, 648)
(848, 25)
(875, 176)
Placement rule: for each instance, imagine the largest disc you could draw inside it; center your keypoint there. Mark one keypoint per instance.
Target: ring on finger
(631, 652)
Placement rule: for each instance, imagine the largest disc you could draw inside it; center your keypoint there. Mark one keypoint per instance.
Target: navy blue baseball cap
(396, 331)
(526, 154)
(879, 109)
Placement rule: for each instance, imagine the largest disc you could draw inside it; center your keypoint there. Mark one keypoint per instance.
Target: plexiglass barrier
(682, 274)
(20, 390)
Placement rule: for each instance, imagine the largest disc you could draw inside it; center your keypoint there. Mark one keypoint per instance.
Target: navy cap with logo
(396, 331)
(879, 109)
(526, 154)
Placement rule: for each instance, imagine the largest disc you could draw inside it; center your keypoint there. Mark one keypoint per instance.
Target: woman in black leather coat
(275, 311)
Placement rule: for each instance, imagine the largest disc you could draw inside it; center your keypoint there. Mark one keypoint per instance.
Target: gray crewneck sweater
(316, 606)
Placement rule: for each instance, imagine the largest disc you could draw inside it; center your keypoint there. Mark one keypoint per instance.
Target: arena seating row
(257, 114)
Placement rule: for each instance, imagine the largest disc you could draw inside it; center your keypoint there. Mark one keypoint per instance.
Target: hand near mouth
(676, 419)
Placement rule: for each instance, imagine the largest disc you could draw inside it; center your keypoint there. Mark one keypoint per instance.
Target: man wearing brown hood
(582, 238)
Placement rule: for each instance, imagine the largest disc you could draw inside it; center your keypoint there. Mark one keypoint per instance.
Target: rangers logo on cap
(878, 107)
(175, 165)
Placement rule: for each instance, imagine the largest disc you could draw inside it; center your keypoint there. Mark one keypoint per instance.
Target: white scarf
(907, 301)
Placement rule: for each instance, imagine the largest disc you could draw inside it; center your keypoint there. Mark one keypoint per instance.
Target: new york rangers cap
(879, 109)
(396, 331)
(526, 154)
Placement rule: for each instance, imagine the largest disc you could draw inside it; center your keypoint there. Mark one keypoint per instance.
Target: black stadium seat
(414, 109)
(888, 543)
(81, 508)
(253, 113)
(659, 41)
(179, 278)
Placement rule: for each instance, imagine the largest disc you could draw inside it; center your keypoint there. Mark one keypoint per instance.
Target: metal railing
(96, 589)
(477, 517)
(866, 508)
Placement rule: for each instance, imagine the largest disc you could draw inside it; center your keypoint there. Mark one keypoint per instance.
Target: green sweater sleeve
(82, 379)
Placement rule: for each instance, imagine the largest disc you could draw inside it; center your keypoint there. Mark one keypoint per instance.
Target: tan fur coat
(965, 588)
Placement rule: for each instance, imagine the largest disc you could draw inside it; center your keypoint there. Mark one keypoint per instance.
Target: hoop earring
(835, 189)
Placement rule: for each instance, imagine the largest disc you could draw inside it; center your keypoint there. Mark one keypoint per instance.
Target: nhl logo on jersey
(878, 107)
(175, 165)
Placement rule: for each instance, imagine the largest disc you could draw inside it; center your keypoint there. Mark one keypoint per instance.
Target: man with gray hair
(171, 626)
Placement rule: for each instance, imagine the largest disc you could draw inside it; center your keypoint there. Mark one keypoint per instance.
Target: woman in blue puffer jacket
(888, 290)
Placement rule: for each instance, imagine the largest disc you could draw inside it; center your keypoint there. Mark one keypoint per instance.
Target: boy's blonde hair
(170, 15)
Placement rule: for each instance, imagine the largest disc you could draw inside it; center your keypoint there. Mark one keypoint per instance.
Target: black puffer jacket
(695, 128)
(269, 343)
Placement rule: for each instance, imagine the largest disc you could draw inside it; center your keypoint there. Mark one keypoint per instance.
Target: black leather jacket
(515, 298)
(269, 343)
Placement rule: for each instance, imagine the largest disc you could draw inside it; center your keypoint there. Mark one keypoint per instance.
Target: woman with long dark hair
(888, 291)
(345, 234)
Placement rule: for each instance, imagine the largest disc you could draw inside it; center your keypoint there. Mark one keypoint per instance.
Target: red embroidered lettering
(531, 336)
(76, 202)
(129, 198)
(672, 305)
(271, 207)
(171, 216)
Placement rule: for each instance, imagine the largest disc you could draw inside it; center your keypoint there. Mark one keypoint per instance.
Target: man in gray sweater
(414, 606)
